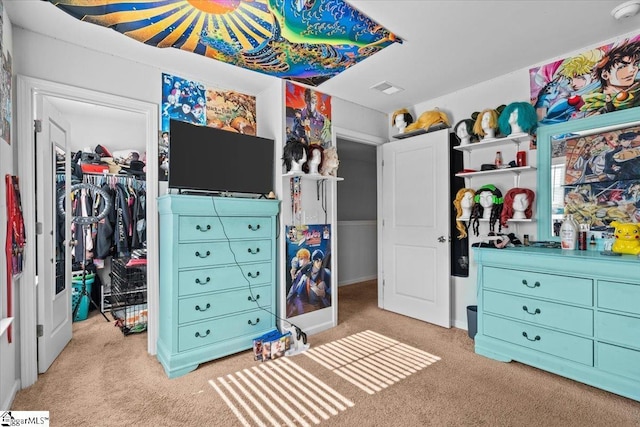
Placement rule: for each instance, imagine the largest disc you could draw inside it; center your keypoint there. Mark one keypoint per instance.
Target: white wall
(459, 105)
(9, 359)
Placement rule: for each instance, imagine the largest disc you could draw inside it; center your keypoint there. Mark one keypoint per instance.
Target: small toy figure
(627, 238)
(428, 119)
(329, 166)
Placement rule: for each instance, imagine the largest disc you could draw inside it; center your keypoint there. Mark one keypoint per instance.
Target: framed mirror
(589, 168)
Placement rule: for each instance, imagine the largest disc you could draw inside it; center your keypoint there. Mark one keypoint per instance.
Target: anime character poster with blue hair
(183, 100)
(308, 277)
(597, 81)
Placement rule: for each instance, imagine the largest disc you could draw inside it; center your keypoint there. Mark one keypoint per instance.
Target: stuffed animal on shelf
(627, 237)
(330, 162)
(428, 119)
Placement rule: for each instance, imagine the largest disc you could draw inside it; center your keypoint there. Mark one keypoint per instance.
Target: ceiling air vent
(386, 87)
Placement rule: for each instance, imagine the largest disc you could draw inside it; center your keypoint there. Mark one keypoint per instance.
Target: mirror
(589, 168)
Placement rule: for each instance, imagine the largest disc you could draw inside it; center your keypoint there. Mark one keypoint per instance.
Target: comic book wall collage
(601, 170)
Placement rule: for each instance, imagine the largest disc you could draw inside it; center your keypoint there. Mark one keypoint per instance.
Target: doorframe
(27, 90)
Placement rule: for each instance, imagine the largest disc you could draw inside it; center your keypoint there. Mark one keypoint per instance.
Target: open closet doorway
(357, 211)
(91, 117)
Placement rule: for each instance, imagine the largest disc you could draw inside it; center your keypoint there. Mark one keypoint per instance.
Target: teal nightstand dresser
(217, 277)
(574, 313)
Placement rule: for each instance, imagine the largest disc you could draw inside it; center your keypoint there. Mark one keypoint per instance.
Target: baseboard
(6, 404)
(460, 324)
(358, 280)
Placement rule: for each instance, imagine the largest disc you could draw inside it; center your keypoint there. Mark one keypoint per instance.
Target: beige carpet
(106, 379)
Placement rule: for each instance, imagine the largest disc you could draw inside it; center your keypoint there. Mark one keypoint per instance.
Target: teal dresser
(573, 313)
(217, 277)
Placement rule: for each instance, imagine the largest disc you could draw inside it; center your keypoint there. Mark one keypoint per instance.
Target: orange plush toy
(627, 238)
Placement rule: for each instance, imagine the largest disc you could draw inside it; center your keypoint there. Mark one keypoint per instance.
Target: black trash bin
(472, 320)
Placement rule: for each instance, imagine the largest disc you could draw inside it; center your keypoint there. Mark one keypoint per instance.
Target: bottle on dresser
(569, 233)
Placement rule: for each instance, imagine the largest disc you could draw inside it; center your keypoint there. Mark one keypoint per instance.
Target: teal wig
(527, 118)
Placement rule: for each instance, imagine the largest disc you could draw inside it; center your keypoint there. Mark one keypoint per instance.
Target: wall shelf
(517, 140)
(516, 171)
(306, 176)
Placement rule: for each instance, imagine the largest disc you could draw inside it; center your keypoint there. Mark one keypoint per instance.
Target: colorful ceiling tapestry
(308, 41)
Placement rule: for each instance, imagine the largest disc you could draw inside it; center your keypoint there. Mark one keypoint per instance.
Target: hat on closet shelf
(113, 166)
(136, 168)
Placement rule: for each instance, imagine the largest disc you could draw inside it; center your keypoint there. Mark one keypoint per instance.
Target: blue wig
(527, 118)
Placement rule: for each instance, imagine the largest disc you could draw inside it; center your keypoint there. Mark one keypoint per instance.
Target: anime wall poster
(308, 282)
(182, 100)
(602, 177)
(596, 81)
(308, 115)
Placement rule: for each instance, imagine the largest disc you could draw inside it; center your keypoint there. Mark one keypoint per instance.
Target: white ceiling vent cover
(386, 87)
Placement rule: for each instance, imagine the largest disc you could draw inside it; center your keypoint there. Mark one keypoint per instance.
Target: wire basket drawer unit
(129, 294)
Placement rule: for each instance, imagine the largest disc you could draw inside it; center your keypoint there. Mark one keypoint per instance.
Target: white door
(415, 231)
(54, 290)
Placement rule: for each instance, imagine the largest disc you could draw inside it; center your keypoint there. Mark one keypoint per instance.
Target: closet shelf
(493, 142)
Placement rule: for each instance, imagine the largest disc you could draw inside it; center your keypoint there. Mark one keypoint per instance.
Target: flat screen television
(217, 161)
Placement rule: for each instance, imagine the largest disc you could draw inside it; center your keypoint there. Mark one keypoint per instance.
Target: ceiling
(447, 45)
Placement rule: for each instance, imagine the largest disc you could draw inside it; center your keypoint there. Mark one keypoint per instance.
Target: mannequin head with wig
(486, 123)
(517, 118)
(463, 204)
(518, 203)
(487, 197)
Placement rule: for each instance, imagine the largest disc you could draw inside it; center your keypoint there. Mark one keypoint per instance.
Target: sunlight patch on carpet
(279, 393)
(370, 361)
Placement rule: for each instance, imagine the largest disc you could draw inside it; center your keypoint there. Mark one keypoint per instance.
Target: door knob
(442, 239)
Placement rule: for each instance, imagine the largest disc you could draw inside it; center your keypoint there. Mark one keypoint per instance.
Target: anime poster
(182, 100)
(308, 282)
(602, 177)
(232, 111)
(308, 115)
(596, 81)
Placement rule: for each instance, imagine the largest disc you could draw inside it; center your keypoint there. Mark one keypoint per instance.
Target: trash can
(472, 320)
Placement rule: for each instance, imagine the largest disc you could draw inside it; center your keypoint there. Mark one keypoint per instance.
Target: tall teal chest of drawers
(217, 277)
(573, 313)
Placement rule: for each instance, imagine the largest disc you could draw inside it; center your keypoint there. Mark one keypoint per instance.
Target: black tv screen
(218, 161)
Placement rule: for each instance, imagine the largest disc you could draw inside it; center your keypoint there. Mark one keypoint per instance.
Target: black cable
(299, 331)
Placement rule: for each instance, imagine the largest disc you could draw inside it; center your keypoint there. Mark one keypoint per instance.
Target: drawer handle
(205, 309)
(537, 337)
(202, 336)
(207, 280)
(254, 324)
(537, 311)
(203, 229)
(251, 251)
(252, 228)
(198, 254)
(252, 275)
(254, 299)
(535, 285)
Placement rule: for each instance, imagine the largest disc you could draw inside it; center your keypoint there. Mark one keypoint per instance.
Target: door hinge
(38, 228)
(39, 331)
(37, 124)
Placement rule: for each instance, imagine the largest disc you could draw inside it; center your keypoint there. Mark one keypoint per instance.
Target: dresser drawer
(618, 360)
(547, 341)
(539, 285)
(217, 253)
(543, 313)
(208, 332)
(213, 279)
(619, 296)
(212, 228)
(619, 329)
(207, 306)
